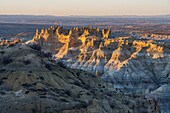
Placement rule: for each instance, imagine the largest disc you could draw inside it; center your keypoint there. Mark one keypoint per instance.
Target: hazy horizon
(80, 15)
(85, 8)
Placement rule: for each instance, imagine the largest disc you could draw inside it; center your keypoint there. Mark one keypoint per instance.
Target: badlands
(131, 65)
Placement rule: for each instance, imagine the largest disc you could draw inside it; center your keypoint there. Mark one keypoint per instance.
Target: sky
(84, 7)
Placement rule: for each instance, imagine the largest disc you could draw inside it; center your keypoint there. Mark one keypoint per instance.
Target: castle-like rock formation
(130, 64)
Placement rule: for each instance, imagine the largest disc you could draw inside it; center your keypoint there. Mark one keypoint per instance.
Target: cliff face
(31, 82)
(130, 64)
(115, 59)
(55, 37)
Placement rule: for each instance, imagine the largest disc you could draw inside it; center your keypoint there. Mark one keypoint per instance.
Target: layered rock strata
(132, 65)
(125, 61)
(30, 82)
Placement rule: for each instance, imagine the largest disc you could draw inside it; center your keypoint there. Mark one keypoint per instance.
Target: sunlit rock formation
(130, 64)
(152, 36)
(95, 51)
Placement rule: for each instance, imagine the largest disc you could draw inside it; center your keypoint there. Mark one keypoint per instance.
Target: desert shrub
(81, 105)
(42, 78)
(27, 61)
(11, 45)
(33, 110)
(109, 94)
(77, 83)
(48, 54)
(112, 106)
(2, 52)
(63, 99)
(2, 70)
(1, 82)
(30, 71)
(26, 92)
(87, 86)
(36, 47)
(6, 60)
(61, 65)
(48, 67)
(29, 75)
(68, 92)
(88, 93)
(4, 78)
(43, 96)
(27, 85)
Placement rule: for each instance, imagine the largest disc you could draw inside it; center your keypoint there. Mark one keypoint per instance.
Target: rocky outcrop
(30, 81)
(154, 36)
(162, 94)
(162, 38)
(56, 36)
(132, 65)
(124, 61)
